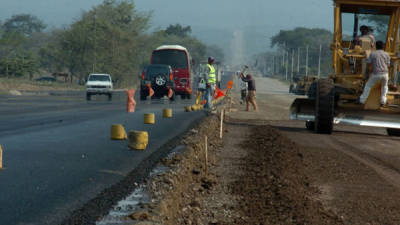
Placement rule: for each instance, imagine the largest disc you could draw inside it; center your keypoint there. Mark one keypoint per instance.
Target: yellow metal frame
(340, 62)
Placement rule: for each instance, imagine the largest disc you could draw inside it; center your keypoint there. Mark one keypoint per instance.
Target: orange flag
(151, 91)
(130, 103)
(229, 85)
(170, 93)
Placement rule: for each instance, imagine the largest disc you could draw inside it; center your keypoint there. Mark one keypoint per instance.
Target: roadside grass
(23, 84)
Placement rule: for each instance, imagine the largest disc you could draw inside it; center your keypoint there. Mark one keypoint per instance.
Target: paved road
(58, 153)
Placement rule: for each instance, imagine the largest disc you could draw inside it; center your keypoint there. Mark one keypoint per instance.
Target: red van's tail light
(171, 76)
(143, 76)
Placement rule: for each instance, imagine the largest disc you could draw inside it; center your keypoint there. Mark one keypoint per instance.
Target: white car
(99, 84)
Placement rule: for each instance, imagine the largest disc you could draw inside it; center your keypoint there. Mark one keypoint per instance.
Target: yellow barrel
(188, 108)
(118, 132)
(138, 140)
(167, 113)
(149, 118)
(194, 108)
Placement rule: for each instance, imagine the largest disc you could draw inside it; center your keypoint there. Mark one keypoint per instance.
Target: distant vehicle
(99, 84)
(179, 59)
(161, 79)
(46, 79)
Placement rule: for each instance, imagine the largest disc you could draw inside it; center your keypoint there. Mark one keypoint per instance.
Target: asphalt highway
(57, 152)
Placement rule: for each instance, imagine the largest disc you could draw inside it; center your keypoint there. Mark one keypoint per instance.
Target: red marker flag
(130, 103)
(170, 93)
(151, 91)
(218, 93)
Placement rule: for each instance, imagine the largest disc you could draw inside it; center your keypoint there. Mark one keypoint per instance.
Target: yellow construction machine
(301, 85)
(333, 100)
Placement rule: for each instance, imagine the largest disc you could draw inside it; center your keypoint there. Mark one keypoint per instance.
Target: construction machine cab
(357, 24)
(351, 48)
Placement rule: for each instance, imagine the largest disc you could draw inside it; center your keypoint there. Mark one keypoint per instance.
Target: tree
(291, 40)
(24, 24)
(178, 30)
(104, 39)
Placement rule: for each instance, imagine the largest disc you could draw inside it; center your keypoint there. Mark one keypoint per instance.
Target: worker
(251, 91)
(201, 87)
(243, 89)
(366, 34)
(211, 79)
(380, 61)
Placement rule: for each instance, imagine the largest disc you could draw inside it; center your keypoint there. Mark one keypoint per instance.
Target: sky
(211, 20)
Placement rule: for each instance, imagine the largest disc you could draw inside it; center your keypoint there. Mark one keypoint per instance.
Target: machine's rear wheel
(324, 106)
(393, 132)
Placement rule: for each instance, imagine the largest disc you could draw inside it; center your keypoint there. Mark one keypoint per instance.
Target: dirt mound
(274, 186)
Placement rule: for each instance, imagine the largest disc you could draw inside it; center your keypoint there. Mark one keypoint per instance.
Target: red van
(178, 58)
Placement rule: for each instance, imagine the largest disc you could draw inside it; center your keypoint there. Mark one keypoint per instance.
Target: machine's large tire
(324, 106)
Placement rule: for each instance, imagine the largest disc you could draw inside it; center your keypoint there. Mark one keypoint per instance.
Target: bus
(179, 59)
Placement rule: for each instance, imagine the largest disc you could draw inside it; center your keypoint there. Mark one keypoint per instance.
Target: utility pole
(283, 59)
(319, 61)
(95, 44)
(287, 64)
(273, 65)
(291, 76)
(307, 62)
(298, 60)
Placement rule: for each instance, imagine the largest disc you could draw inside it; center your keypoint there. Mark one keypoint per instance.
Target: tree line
(112, 37)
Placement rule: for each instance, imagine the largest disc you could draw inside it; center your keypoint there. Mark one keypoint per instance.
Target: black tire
(393, 132)
(88, 97)
(109, 97)
(143, 97)
(183, 96)
(310, 125)
(189, 96)
(324, 106)
(172, 97)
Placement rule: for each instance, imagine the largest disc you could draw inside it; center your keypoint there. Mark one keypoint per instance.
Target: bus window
(175, 58)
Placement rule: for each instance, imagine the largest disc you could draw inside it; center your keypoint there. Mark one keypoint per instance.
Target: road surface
(57, 152)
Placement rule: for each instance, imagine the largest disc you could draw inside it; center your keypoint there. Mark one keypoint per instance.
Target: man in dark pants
(251, 91)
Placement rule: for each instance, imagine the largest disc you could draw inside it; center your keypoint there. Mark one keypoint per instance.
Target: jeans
(375, 78)
(209, 95)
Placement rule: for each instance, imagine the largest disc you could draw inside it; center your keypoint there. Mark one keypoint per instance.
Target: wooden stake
(222, 122)
(230, 104)
(1, 157)
(206, 154)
